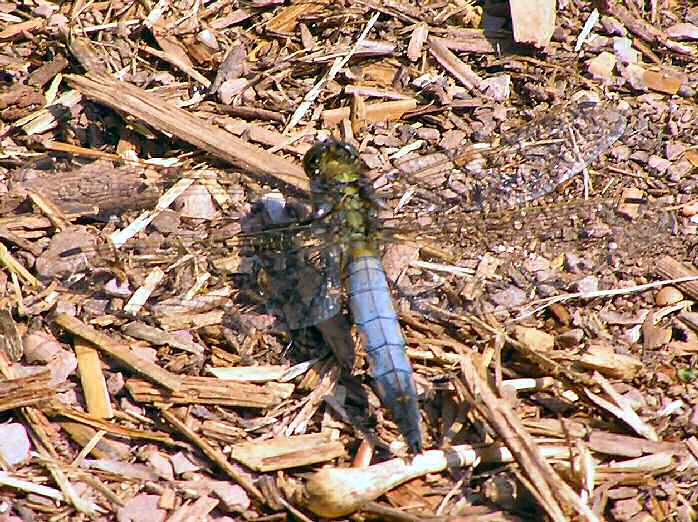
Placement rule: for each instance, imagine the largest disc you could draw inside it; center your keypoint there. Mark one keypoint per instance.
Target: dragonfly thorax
(341, 195)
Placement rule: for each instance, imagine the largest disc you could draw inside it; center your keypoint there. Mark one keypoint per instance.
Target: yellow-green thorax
(342, 192)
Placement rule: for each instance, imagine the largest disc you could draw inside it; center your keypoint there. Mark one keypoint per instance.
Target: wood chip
(93, 384)
(375, 112)
(207, 390)
(533, 21)
(121, 353)
(288, 452)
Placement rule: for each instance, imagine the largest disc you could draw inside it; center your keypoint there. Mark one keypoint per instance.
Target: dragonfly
(349, 222)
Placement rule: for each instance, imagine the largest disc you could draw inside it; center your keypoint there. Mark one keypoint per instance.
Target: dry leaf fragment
(654, 336)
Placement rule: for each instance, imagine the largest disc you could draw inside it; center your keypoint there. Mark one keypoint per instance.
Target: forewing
(298, 262)
(456, 205)
(529, 162)
(460, 208)
(504, 269)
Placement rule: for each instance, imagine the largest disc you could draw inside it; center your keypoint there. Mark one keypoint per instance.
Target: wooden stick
(213, 453)
(94, 386)
(170, 119)
(151, 371)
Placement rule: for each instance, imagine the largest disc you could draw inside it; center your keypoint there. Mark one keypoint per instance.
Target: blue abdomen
(372, 309)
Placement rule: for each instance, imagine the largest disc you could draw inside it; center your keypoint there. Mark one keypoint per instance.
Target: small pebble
(498, 87)
(624, 51)
(510, 297)
(196, 202)
(14, 443)
(587, 284)
(601, 67)
(658, 164)
(207, 38)
(667, 296)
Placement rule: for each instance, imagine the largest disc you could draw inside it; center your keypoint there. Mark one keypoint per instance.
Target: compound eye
(312, 157)
(350, 151)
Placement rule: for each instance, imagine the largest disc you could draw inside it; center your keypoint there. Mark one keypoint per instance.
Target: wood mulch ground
(555, 347)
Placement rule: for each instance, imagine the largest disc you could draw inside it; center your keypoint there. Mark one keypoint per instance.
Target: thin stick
(602, 293)
(104, 343)
(213, 453)
(337, 66)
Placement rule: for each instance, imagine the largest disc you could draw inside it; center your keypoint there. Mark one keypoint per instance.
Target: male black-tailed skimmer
(468, 199)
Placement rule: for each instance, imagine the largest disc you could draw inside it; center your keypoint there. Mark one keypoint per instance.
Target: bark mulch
(554, 341)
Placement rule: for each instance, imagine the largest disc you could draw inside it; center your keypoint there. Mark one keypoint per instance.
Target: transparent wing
(451, 206)
(271, 251)
(305, 291)
(529, 162)
(513, 258)
(300, 283)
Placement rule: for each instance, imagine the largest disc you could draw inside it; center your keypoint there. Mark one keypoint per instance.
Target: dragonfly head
(333, 161)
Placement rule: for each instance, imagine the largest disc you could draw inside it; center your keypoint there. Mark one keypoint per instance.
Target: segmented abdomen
(372, 309)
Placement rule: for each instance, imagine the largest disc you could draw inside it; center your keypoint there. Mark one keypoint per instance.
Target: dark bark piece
(98, 189)
(47, 71)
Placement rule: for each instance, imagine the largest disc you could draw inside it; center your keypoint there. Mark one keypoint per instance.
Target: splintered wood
(121, 353)
(93, 384)
(25, 391)
(287, 452)
(202, 390)
(174, 343)
(173, 120)
(533, 21)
